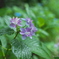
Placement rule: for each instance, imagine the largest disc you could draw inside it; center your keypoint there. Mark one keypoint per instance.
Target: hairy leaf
(21, 50)
(37, 48)
(8, 31)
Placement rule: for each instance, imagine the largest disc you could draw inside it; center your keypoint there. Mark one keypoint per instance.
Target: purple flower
(31, 25)
(29, 22)
(27, 28)
(34, 29)
(27, 32)
(15, 22)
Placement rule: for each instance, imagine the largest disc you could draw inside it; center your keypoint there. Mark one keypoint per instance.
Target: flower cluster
(27, 28)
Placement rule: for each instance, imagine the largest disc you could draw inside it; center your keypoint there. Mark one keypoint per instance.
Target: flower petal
(12, 25)
(19, 22)
(23, 37)
(28, 29)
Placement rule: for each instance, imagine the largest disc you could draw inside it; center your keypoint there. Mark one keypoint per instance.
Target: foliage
(47, 25)
(44, 20)
(52, 5)
(22, 49)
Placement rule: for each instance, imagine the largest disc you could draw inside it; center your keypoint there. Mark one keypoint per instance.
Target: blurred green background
(45, 16)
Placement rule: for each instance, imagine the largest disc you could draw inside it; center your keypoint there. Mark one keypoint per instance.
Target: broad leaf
(20, 50)
(37, 48)
(8, 31)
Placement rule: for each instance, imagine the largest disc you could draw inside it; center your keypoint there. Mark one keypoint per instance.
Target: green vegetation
(43, 45)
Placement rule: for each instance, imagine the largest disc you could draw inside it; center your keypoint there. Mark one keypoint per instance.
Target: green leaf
(1, 22)
(27, 9)
(43, 32)
(36, 48)
(48, 51)
(7, 20)
(20, 50)
(41, 22)
(8, 31)
(4, 44)
(10, 55)
(3, 41)
(35, 57)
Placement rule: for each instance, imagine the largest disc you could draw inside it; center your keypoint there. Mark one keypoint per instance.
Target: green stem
(16, 34)
(4, 57)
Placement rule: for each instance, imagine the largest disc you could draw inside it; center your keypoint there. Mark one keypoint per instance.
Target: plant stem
(16, 34)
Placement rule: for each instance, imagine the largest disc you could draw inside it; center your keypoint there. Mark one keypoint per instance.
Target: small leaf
(3, 41)
(41, 22)
(7, 20)
(3, 44)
